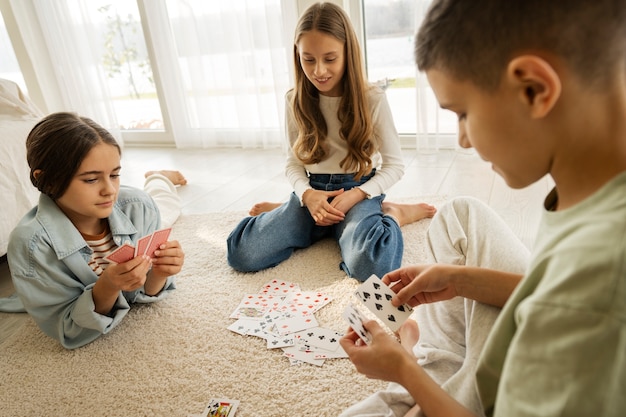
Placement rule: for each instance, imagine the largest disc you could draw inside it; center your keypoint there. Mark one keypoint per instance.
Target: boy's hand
(421, 284)
(385, 358)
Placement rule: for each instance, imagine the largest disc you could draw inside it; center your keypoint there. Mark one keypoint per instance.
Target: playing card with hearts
(295, 324)
(376, 296)
(279, 287)
(304, 302)
(255, 305)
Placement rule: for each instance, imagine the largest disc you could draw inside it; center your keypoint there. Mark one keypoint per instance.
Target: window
(203, 73)
(9, 67)
(123, 56)
(389, 28)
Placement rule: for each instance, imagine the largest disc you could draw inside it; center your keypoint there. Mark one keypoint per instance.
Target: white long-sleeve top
(388, 160)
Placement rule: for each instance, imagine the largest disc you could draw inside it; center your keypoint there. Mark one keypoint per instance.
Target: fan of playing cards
(145, 246)
(376, 296)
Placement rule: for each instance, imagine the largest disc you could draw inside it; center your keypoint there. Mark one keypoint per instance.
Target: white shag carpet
(170, 358)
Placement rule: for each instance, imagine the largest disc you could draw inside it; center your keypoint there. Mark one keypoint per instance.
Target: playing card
(295, 324)
(320, 337)
(142, 245)
(221, 407)
(243, 326)
(158, 238)
(279, 287)
(277, 341)
(255, 306)
(297, 354)
(355, 319)
(376, 296)
(338, 354)
(124, 253)
(304, 302)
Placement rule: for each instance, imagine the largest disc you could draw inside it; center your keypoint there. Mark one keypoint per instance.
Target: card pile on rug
(171, 358)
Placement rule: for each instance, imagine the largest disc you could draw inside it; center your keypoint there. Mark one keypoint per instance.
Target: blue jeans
(370, 242)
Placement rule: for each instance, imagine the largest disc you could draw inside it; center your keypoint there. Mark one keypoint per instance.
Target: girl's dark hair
(56, 147)
(354, 112)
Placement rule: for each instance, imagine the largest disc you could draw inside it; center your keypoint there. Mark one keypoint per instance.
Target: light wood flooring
(234, 179)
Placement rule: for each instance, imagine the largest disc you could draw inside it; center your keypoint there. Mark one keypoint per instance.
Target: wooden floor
(233, 179)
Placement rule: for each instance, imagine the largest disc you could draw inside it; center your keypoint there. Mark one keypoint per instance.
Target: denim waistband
(332, 182)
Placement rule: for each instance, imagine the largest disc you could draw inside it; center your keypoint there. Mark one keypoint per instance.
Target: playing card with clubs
(280, 341)
(243, 326)
(320, 337)
(355, 320)
(376, 296)
(124, 253)
(221, 407)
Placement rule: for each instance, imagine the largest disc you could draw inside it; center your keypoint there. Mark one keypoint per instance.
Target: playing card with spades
(376, 296)
(355, 319)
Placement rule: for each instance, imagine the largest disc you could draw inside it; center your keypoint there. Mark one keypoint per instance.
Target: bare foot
(408, 213)
(409, 334)
(263, 207)
(176, 177)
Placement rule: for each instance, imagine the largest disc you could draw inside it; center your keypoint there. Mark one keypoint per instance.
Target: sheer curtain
(220, 67)
(66, 63)
(436, 128)
(223, 65)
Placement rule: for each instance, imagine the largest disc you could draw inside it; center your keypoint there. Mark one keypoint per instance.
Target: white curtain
(62, 51)
(225, 66)
(436, 128)
(220, 67)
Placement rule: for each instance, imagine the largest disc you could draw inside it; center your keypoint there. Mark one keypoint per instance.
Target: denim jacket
(48, 259)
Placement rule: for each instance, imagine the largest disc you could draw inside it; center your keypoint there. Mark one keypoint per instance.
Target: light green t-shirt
(558, 347)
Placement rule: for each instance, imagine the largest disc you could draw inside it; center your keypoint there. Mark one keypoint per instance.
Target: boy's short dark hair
(57, 145)
(474, 40)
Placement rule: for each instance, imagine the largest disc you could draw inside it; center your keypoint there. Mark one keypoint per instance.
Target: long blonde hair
(353, 113)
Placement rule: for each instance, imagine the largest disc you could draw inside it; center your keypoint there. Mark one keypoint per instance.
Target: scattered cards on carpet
(284, 315)
(145, 246)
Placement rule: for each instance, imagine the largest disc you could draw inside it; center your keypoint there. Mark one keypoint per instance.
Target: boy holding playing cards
(539, 88)
(57, 252)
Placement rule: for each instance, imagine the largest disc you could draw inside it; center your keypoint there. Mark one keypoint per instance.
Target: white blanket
(17, 117)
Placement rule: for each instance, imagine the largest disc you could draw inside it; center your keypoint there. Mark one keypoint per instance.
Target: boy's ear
(538, 82)
(37, 173)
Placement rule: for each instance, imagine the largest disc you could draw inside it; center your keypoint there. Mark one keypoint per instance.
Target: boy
(539, 88)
